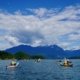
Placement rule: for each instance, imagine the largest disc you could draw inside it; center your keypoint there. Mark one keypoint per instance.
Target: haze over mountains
(51, 52)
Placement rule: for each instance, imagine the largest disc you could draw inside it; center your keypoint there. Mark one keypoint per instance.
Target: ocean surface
(44, 70)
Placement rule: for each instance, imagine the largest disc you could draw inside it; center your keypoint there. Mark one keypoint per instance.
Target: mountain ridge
(51, 52)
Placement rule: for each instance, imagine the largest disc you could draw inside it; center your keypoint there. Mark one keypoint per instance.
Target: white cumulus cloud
(42, 27)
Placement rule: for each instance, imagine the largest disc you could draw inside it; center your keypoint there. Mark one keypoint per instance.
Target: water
(44, 70)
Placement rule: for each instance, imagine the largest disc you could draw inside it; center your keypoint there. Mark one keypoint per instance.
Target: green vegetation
(21, 55)
(37, 57)
(18, 55)
(5, 55)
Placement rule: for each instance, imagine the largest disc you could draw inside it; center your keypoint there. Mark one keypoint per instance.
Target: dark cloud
(27, 37)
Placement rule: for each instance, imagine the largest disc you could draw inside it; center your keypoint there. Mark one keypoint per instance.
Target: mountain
(72, 53)
(51, 52)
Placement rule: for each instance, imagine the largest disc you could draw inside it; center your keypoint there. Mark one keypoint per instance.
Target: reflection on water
(44, 70)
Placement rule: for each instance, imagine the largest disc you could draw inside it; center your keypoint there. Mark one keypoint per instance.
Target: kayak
(67, 65)
(13, 66)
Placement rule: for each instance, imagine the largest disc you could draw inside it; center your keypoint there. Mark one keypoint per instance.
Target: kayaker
(13, 63)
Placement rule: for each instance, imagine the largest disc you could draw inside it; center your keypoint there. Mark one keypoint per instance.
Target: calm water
(44, 70)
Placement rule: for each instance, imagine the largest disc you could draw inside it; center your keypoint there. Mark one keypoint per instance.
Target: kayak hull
(66, 65)
(13, 66)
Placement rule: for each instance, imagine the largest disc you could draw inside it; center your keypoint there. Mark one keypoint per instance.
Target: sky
(40, 23)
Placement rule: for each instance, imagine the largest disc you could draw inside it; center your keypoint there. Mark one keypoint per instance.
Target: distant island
(19, 55)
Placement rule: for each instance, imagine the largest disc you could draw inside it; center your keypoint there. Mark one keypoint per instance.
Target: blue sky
(13, 5)
(40, 23)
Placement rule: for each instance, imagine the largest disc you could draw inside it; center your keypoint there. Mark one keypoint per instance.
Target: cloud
(12, 40)
(43, 12)
(41, 27)
(74, 37)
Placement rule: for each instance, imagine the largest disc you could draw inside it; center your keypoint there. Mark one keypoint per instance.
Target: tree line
(18, 55)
